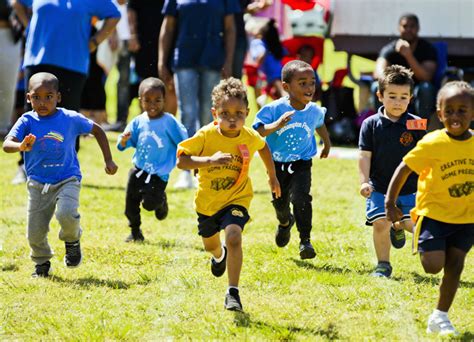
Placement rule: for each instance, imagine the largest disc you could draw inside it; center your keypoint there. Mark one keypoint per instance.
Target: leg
(133, 200)
(300, 196)
(207, 81)
(233, 241)
(381, 237)
(66, 212)
(213, 245)
(186, 82)
(282, 204)
(123, 66)
(153, 193)
(452, 273)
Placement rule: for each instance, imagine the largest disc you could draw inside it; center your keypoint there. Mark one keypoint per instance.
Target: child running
(47, 137)
(444, 211)
(155, 136)
(289, 124)
(384, 139)
(222, 152)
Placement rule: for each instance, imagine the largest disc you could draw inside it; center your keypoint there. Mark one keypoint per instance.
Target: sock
(221, 257)
(439, 313)
(232, 287)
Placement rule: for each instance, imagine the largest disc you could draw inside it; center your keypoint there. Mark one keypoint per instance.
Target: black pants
(295, 183)
(151, 195)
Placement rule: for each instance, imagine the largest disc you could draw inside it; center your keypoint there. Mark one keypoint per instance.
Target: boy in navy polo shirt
(384, 139)
(288, 125)
(47, 136)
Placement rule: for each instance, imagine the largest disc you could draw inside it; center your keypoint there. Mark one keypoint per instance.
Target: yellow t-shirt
(216, 190)
(446, 178)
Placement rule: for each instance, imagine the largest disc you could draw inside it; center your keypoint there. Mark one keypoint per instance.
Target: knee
(234, 238)
(301, 200)
(67, 215)
(431, 267)
(149, 204)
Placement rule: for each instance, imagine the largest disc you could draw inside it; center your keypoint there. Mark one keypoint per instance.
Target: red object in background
(292, 45)
(303, 5)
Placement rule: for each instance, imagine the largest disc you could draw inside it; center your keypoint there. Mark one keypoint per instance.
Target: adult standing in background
(199, 37)
(10, 57)
(417, 54)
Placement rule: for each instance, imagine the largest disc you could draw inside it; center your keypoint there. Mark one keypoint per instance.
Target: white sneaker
(20, 176)
(185, 181)
(440, 324)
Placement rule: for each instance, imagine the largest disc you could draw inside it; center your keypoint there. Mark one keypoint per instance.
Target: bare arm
(168, 29)
(99, 134)
(364, 173)
(399, 178)
(229, 41)
(133, 42)
(268, 129)
(423, 71)
(187, 162)
(21, 12)
(380, 66)
(106, 30)
(323, 133)
(266, 156)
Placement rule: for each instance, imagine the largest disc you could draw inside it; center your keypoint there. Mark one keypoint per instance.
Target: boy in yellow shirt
(222, 151)
(444, 211)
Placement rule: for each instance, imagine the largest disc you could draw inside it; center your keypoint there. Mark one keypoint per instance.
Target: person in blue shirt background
(289, 125)
(155, 135)
(47, 137)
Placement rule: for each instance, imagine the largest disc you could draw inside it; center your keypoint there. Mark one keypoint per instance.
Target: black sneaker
(382, 270)
(162, 212)
(306, 249)
(397, 237)
(42, 270)
(135, 236)
(283, 233)
(218, 268)
(232, 300)
(73, 257)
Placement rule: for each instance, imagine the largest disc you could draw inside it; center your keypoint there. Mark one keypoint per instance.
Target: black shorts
(439, 236)
(232, 214)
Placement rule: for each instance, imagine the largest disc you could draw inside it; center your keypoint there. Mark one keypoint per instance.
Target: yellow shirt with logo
(446, 178)
(216, 188)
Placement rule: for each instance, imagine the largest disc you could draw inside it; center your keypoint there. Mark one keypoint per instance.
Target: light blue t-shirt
(295, 141)
(53, 157)
(156, 141)
(59, 31)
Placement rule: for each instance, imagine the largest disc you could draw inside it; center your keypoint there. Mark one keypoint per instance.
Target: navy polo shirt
(389, 142)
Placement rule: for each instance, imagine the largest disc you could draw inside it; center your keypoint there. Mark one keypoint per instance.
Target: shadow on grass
(103, 187)
(172, 244)
(422, 279)
(9, 268)
(243, 319)
(329, 268)
(467, 336)
(93, 282)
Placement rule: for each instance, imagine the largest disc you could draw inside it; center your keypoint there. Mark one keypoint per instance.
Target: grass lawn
(163, 288)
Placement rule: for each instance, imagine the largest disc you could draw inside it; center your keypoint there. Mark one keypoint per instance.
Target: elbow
(180, 164)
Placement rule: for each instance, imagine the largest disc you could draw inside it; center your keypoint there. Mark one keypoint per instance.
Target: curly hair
(229, 88)
(461, 86)
(398, 75)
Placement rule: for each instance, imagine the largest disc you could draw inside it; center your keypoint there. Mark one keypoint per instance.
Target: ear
(379, 95)
(438, 113)
(59, 97)
(214, 113)
(286, 86)
(28, 98)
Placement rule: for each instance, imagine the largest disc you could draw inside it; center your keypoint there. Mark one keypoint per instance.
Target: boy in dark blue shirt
(384, 139)
(48, 135)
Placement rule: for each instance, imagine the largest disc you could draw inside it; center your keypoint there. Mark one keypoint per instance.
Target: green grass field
(163, 289)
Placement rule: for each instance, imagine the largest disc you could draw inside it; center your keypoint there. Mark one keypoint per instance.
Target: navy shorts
(232, 214)
(439, 236)
(375, 206)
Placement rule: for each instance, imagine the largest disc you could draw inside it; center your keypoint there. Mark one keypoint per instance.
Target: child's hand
(110, 167)
(220, 158)
(27, 143)
(325, 152)
(284, 119)
(275, 186)
(125, 137)
(393, 213)
(366, 189)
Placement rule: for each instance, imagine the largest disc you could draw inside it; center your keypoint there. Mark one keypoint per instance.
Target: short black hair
(151, 82)
(290, 68)
(398, 75)
(44, 77)
(462, 86)
(409, 16)
(229, 88)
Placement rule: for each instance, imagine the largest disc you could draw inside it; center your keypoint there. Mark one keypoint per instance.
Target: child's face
(230, 115)
(152, 101)
(301, 88)
(456, 112)
(43, 98)
(395, 99)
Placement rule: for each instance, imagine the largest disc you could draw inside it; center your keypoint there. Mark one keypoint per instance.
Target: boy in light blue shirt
(155, 135)
(288, 125)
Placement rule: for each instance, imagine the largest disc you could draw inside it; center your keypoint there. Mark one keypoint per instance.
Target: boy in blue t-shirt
(155, 135)
(288, 125)
(47, 136)
(384, 139)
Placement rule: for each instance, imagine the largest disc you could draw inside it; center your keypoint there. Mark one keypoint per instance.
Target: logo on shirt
(237, 212)
(459, 190)
(406, 138)
(55, 136)
(222, 183)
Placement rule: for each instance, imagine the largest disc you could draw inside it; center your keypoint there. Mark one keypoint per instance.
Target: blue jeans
(193, 89)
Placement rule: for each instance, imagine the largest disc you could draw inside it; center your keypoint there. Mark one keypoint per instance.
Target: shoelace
(73, 249)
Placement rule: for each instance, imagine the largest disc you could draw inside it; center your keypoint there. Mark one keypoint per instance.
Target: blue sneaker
(382, 270)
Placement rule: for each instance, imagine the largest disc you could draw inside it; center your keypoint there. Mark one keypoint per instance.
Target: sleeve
(132, 142)
(20, 129)
(178, 131)
(104, 9)
(259, 141)
(170, 8)
(321, 113)
(192, 146)
(420, 157)
(264, 116)
(387, 51)
(27, 3)
(366, 137)
(232, 7)
(83, 125)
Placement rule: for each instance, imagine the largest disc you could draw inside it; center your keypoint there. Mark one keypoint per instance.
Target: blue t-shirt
(53, 157)
(271, 66)
(200, 31)
(389, 142)
(59, 31)
(295, 141)
(156, 141)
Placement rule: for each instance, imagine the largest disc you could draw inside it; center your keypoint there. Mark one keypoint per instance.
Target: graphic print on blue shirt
(296, 140)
